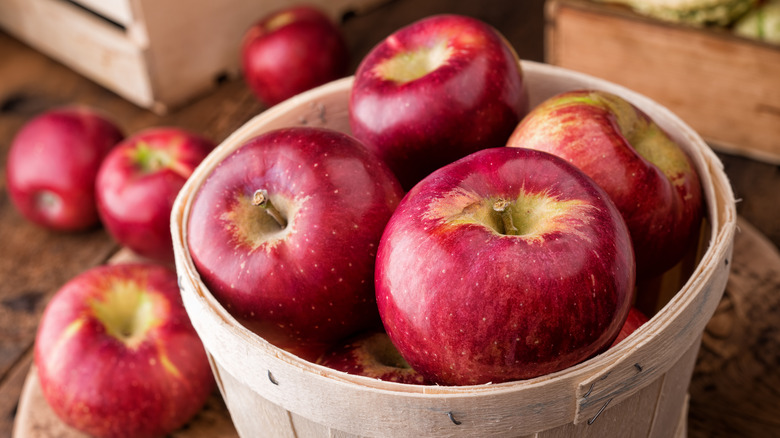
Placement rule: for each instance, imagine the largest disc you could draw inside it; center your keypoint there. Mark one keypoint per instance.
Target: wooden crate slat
(81, 41)
(158, 55)
(118, 11)
(725, 87)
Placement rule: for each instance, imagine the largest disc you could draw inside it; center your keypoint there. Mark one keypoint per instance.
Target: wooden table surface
(735, 390)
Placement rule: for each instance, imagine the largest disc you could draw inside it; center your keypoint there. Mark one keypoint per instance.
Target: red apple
(507, 264)
(284, 233)
(117, 356)
(634, 320)
(649, 177)
(138, 182)
(371, 354)
(290, 51)
(52, 166)
(435, 91)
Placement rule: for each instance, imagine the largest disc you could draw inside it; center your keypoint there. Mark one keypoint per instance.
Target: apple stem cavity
(126, 313)
(278, 21)
(503, 207)
(150, 159)
(415, 63)
(261, 199)
(48, 201)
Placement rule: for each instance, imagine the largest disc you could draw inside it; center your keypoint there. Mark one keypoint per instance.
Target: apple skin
(466, 302)
(649, 177)
(435, 91)
(52, 165)
(309, 283)
(290, 51)
(371, 354)
(117, 356)
(138, 182)
(634, 320)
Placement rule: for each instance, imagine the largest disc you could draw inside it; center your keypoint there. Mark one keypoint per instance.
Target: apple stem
(261, 199)
(502, 206)
(150, 159)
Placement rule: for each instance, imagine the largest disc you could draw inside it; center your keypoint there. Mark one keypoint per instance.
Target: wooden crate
(156, 54)
(726, 87)
(635, 389)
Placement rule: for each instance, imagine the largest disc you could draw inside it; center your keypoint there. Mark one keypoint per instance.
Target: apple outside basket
(635, 389)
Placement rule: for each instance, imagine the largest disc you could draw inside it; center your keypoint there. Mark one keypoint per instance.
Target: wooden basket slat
(618, 418)
(621, 378)
(669, 406)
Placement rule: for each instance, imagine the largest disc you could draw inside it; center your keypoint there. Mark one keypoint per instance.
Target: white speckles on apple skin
(650, 178)
(498, 293)
(399, 122)
(170, 348)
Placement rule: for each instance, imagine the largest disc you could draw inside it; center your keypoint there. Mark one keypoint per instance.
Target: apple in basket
(52, 165)
(117, 356)
(290, 51)
(284, 233)
(507, 264)
(371, 354)
(435, 91)
(649, 177)
(138, 182)
(634, 320)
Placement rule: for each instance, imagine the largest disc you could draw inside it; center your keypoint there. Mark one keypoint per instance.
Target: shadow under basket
(635, 389)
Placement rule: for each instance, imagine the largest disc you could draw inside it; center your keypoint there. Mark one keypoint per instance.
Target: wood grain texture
(756, 186)
(103, 51)
(736, 383)
(726, 87)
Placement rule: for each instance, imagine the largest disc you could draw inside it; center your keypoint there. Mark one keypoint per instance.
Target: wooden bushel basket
(636, 389)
